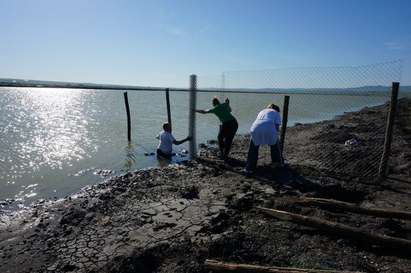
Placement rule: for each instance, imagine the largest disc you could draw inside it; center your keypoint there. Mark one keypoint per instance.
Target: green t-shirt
(222, 111)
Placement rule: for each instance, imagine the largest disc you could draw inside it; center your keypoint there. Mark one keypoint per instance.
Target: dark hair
(215, 101)
(274, 106)
(166, 126)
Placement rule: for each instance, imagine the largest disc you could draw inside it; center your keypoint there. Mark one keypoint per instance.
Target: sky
(162, 42)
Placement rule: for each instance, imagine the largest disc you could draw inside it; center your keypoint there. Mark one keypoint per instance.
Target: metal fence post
(383, 169)
(168, 107)
(128, 116)
(284, 122)
(192, 115)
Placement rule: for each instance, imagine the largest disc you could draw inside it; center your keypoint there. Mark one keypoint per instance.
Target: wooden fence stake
(168, 107)
(383, 169)
(284, 122)
(128, 117)
(192, 115)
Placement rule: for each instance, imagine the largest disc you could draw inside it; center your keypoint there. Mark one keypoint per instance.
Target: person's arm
(203, 111)
(178, 142)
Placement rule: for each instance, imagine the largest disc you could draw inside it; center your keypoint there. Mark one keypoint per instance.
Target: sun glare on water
(41, 128)
(59, 126)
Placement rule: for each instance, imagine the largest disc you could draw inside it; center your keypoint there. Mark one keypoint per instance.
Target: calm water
(53, 142)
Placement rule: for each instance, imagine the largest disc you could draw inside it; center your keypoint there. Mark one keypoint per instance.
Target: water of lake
(55, 141)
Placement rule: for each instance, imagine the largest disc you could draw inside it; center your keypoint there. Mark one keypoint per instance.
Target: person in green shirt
(228, 127)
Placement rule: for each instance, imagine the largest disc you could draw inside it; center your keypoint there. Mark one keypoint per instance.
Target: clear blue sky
(162, 42)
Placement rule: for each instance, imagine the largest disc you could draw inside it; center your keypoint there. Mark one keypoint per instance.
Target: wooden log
(233, 267)
(128, 116)
(329, 203)
(284, 122)
(168, 107)
(339, 229)
(383, 168)
(192, 116)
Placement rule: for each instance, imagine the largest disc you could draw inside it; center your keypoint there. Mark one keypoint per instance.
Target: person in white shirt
(166, 141)
(264, 131)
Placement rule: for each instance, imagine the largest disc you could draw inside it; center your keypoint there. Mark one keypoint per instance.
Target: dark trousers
(226, 136)
(160, 153)
(252, 157)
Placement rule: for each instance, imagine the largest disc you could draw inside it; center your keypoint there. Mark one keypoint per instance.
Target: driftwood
(248, 268)
(339, 229)
(329, 203)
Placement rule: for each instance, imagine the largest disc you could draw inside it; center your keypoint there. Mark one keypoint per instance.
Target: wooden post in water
(383, 169)
(128, 117)
(192, 115)
(284, 122)
(168, 106)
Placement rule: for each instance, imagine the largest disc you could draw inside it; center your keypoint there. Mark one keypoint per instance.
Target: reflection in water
(163, 162)
(130, 157)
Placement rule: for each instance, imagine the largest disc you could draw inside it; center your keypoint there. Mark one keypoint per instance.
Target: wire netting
(337, 115)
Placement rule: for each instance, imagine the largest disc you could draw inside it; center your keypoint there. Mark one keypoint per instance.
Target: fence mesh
(337, 115)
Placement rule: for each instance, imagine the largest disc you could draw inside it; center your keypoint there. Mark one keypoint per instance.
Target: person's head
(215, 101)
(166, 127)
(274, 107)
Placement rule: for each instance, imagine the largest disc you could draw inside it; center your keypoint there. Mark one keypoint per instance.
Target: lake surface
(55, 141)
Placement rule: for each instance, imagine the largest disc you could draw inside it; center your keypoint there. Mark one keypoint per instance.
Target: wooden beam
(329, 203)
(168, 107)
(192, 115)
(339, 229)
(233, 267)
(128, 116)
(383, 169)
(284, 123)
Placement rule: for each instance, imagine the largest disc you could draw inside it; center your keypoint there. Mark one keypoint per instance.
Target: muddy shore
(172, 219)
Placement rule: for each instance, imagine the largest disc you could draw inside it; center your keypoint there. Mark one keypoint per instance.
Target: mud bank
(172, 219)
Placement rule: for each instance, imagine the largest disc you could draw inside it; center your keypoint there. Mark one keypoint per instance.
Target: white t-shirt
(165, 143)
(263, 130)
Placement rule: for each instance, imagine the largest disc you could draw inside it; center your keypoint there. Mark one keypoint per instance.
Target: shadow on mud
(294, 180)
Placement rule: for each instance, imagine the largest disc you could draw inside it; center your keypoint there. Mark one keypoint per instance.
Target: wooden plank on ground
(218, 266)
(339, 229)
(330, 203)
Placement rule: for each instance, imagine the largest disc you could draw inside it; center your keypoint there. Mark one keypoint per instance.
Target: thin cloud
(176, 31)
(394, 46)
(204, 28)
